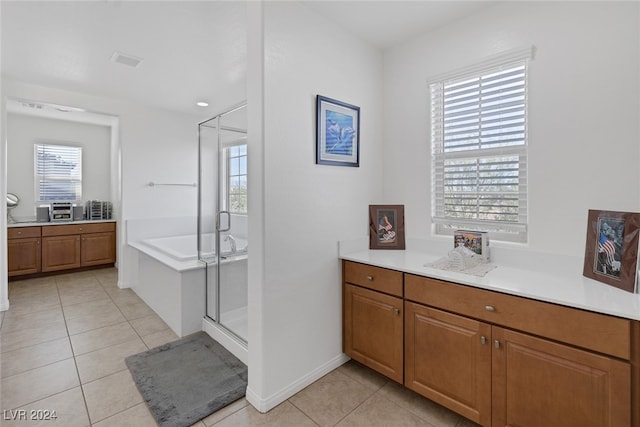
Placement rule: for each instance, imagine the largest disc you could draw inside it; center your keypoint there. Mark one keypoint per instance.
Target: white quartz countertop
(557, 279)
(42, 224)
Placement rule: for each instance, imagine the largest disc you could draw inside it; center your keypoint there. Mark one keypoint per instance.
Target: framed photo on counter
(386, 227)
(611, 253)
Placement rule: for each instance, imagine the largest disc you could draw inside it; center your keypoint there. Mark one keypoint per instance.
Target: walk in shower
(222, 221)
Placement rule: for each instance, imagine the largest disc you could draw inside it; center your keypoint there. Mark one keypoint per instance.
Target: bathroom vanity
(35, 248)
(487, 352)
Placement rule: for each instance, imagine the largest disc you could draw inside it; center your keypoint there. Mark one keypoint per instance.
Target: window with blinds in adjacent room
(479, 149)
(58, 173)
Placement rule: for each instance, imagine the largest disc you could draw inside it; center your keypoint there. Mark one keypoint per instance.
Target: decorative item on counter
(337, 133)
(463, 260)
(611, 250)
(476, 241)
(386, 227)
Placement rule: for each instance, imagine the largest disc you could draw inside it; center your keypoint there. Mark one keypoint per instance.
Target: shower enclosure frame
(218, 227)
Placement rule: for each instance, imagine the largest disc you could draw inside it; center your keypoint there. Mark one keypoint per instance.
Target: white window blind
(479, 150)
(58, 173)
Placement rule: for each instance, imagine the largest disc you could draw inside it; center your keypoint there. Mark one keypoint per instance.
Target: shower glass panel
(222, 218)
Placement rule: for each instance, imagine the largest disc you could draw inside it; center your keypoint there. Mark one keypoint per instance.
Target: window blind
(479, 150)
(58, 172)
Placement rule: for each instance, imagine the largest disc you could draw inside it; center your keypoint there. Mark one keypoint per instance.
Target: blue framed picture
(337, 133)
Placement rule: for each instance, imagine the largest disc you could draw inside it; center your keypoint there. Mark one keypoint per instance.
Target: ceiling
(190, 50)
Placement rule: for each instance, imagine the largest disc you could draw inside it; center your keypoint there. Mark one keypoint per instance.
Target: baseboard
(264, 405)
(4, 304)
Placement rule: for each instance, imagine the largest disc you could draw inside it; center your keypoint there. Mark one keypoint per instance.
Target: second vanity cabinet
(77, 245)
(502, 360)
(23, 250)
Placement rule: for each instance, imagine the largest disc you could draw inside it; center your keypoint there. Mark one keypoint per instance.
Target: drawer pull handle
(496, 344)
(370, 278)
(396, 311)
(490, 308)
(483, 340)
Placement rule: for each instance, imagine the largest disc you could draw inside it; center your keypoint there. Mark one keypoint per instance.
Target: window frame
(227, 174)
(441, 153)
(39, 178)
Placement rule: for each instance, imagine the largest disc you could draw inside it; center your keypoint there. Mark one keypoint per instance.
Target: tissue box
(477, 241)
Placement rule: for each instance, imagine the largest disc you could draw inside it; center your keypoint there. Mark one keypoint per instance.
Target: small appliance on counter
(97, 210)
(61, 211)
(42, 214)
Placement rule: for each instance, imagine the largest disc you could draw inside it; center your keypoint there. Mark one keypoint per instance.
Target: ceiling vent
(126, 59)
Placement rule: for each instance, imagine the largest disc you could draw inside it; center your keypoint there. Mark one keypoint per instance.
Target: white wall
(307, 207)
(583, 111)
(23, 131)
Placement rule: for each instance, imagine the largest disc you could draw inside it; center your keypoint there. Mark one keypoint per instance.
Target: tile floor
(63, 344)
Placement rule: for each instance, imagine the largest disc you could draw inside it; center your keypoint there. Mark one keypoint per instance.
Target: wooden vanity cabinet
(77, 245)
(372, 318)
(23, 250)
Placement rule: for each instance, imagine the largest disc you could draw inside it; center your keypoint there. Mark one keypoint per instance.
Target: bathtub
(171, 278)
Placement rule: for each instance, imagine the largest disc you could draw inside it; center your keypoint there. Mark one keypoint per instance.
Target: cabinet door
(23, 256)
(538, 383)
(98, 248)
(448, 360)
(373, 330)
(60, 252)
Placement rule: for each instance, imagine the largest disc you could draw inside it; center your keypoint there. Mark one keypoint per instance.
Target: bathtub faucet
(232, 242)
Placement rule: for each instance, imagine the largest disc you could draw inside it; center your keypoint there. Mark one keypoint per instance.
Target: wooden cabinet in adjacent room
(373, 325)
(23, 250)
(78, 245)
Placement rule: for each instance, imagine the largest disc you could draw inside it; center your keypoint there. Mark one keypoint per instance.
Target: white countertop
(42, 224)
(555, 279)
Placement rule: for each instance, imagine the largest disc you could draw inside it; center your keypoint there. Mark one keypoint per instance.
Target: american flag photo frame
(386, 227)
(611, 252)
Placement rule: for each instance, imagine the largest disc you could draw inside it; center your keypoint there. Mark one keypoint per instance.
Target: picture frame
(337, 133)
(611, 250)
(386, 227)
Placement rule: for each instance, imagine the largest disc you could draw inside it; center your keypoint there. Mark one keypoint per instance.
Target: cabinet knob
(19, 232)
(483, 340)
(396, 311)
(489, 308)
(370, 278)
(496, 344)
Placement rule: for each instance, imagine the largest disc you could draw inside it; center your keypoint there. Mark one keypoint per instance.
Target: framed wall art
(611, 252)
(386, 227)
(337, 133)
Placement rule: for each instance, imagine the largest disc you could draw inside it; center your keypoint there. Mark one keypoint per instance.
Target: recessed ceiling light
(202, 104)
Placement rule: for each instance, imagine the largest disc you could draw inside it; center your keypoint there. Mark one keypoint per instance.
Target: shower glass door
(222, 218)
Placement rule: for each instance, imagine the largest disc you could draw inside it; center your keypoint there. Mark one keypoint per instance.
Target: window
(236, 177)
(58, 173)
(479, 150)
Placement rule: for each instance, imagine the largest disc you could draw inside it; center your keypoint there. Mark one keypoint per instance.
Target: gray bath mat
(186, 380)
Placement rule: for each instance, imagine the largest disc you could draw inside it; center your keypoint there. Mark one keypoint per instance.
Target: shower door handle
(219, 228)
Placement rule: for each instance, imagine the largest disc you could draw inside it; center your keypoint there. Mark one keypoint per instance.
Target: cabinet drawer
(376, 278)
(67, 229)
(22, 232)
(597, 332)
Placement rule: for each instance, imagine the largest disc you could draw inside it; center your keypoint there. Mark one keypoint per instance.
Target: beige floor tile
(283, 415)
(379, 411)
(148, 325)
(10, 341)
(134, 310)
(33, 304)
(463, 422)
(99, 319)
(116, 293)
(20, 321)
(107, 361)
(31, 288)
(420, 406)
(66, 409)
(36, 384)
(331, 398)
(27, 358)
(225, 412)
(85, 294)
(138, 416)
(363, 375)
(71, 279)
(160, 338)
(102, 337)
(111, 395)
(98, 308)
